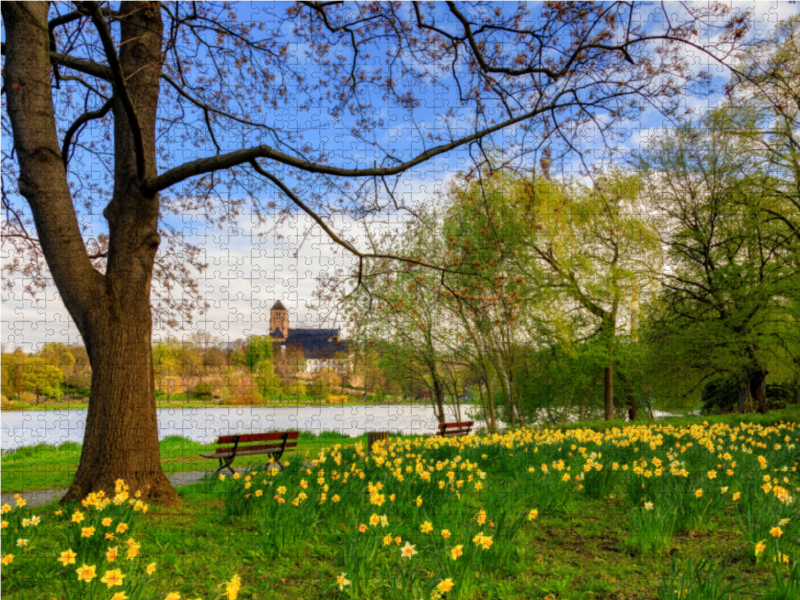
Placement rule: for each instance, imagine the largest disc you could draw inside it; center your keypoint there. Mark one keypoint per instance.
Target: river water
(27, 428)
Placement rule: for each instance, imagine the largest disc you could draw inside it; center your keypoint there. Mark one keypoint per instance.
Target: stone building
(321, 348)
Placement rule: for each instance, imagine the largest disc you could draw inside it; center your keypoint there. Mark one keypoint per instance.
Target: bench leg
(223, 465)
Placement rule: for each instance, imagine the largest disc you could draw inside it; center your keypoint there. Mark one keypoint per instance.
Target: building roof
(278, 306)
(315, 343)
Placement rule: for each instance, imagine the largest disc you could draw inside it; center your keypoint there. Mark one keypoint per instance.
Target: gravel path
(40, 497)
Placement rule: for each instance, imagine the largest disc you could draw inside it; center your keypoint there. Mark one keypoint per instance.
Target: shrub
(247, 396)
(224, 394)
(4, 403)
(318, 389)
(337, 400)
(203, 390)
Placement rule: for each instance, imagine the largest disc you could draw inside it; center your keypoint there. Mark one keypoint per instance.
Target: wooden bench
(454, 429)
(252, 444)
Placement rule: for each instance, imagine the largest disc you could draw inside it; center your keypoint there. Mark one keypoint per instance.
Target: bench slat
(243, 453)
(257, 437)
(455, 429)
(243, 447)
(457, 424)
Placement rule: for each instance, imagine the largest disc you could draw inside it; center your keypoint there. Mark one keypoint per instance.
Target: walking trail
(41, 497)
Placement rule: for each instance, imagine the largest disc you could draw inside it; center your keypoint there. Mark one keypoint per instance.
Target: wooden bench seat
(251, 444)
(455, 429)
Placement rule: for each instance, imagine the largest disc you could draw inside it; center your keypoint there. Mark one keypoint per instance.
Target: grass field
(697, 512)
(44, 467)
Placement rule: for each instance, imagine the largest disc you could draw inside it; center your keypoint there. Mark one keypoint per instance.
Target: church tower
(279, 319)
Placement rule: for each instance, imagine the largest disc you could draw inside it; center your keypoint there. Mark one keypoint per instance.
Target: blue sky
(250, 268)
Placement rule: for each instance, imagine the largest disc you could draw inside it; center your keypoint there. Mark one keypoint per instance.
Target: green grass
(44, 467)
(574, 551)
(786, 415)
(569, 559)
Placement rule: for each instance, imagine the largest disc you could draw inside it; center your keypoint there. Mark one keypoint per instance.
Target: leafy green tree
(766, 83)
(259, 349)
(318, 389)
(727, 306)
(41, 378)
(577, 253)
(57, 354)
(267, 383)
(11, 366)
(237, 358)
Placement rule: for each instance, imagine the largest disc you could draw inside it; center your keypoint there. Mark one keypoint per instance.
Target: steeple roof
(278, 306)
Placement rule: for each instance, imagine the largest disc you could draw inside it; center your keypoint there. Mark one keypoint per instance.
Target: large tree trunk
(633, 406)
(608, 392)
(758, 390)
(111, 310)
(121, 440)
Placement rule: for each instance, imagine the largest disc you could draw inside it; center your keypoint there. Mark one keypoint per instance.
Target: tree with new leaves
(180, 107)
(259, 350)
(560, 246)
(766, 82)
(41, 378)
(727, 305)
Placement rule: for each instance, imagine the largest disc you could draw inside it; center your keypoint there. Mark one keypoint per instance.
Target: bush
(203, 390)
(224, 394)
(318, 389)
(4, 403)
(248, 396)
(294, 390)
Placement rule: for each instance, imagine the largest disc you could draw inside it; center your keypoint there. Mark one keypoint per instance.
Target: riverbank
(356, 401)
(48, 467)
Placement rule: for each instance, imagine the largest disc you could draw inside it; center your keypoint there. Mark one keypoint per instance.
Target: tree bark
(437, 396)
(608, 392)
(111, 310)
(758, 390)
(633, 406)
(743, 393)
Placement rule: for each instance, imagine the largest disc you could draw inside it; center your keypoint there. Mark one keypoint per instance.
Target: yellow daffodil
(112, 578)
(342, 581)
(86, 573)
(67, 557)
(445, 585)
(232, 588)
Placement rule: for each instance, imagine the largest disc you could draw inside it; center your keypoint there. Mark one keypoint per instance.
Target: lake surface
(27, 428)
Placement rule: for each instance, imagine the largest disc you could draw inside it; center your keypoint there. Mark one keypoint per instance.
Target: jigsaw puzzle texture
(441, 301)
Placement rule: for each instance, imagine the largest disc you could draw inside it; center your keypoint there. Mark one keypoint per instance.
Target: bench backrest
(453, 429)
(268, 442)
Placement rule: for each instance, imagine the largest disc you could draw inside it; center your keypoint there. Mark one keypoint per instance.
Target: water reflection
(26, 428)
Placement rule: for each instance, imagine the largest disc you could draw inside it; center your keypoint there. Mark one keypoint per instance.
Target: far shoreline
(48, 407)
